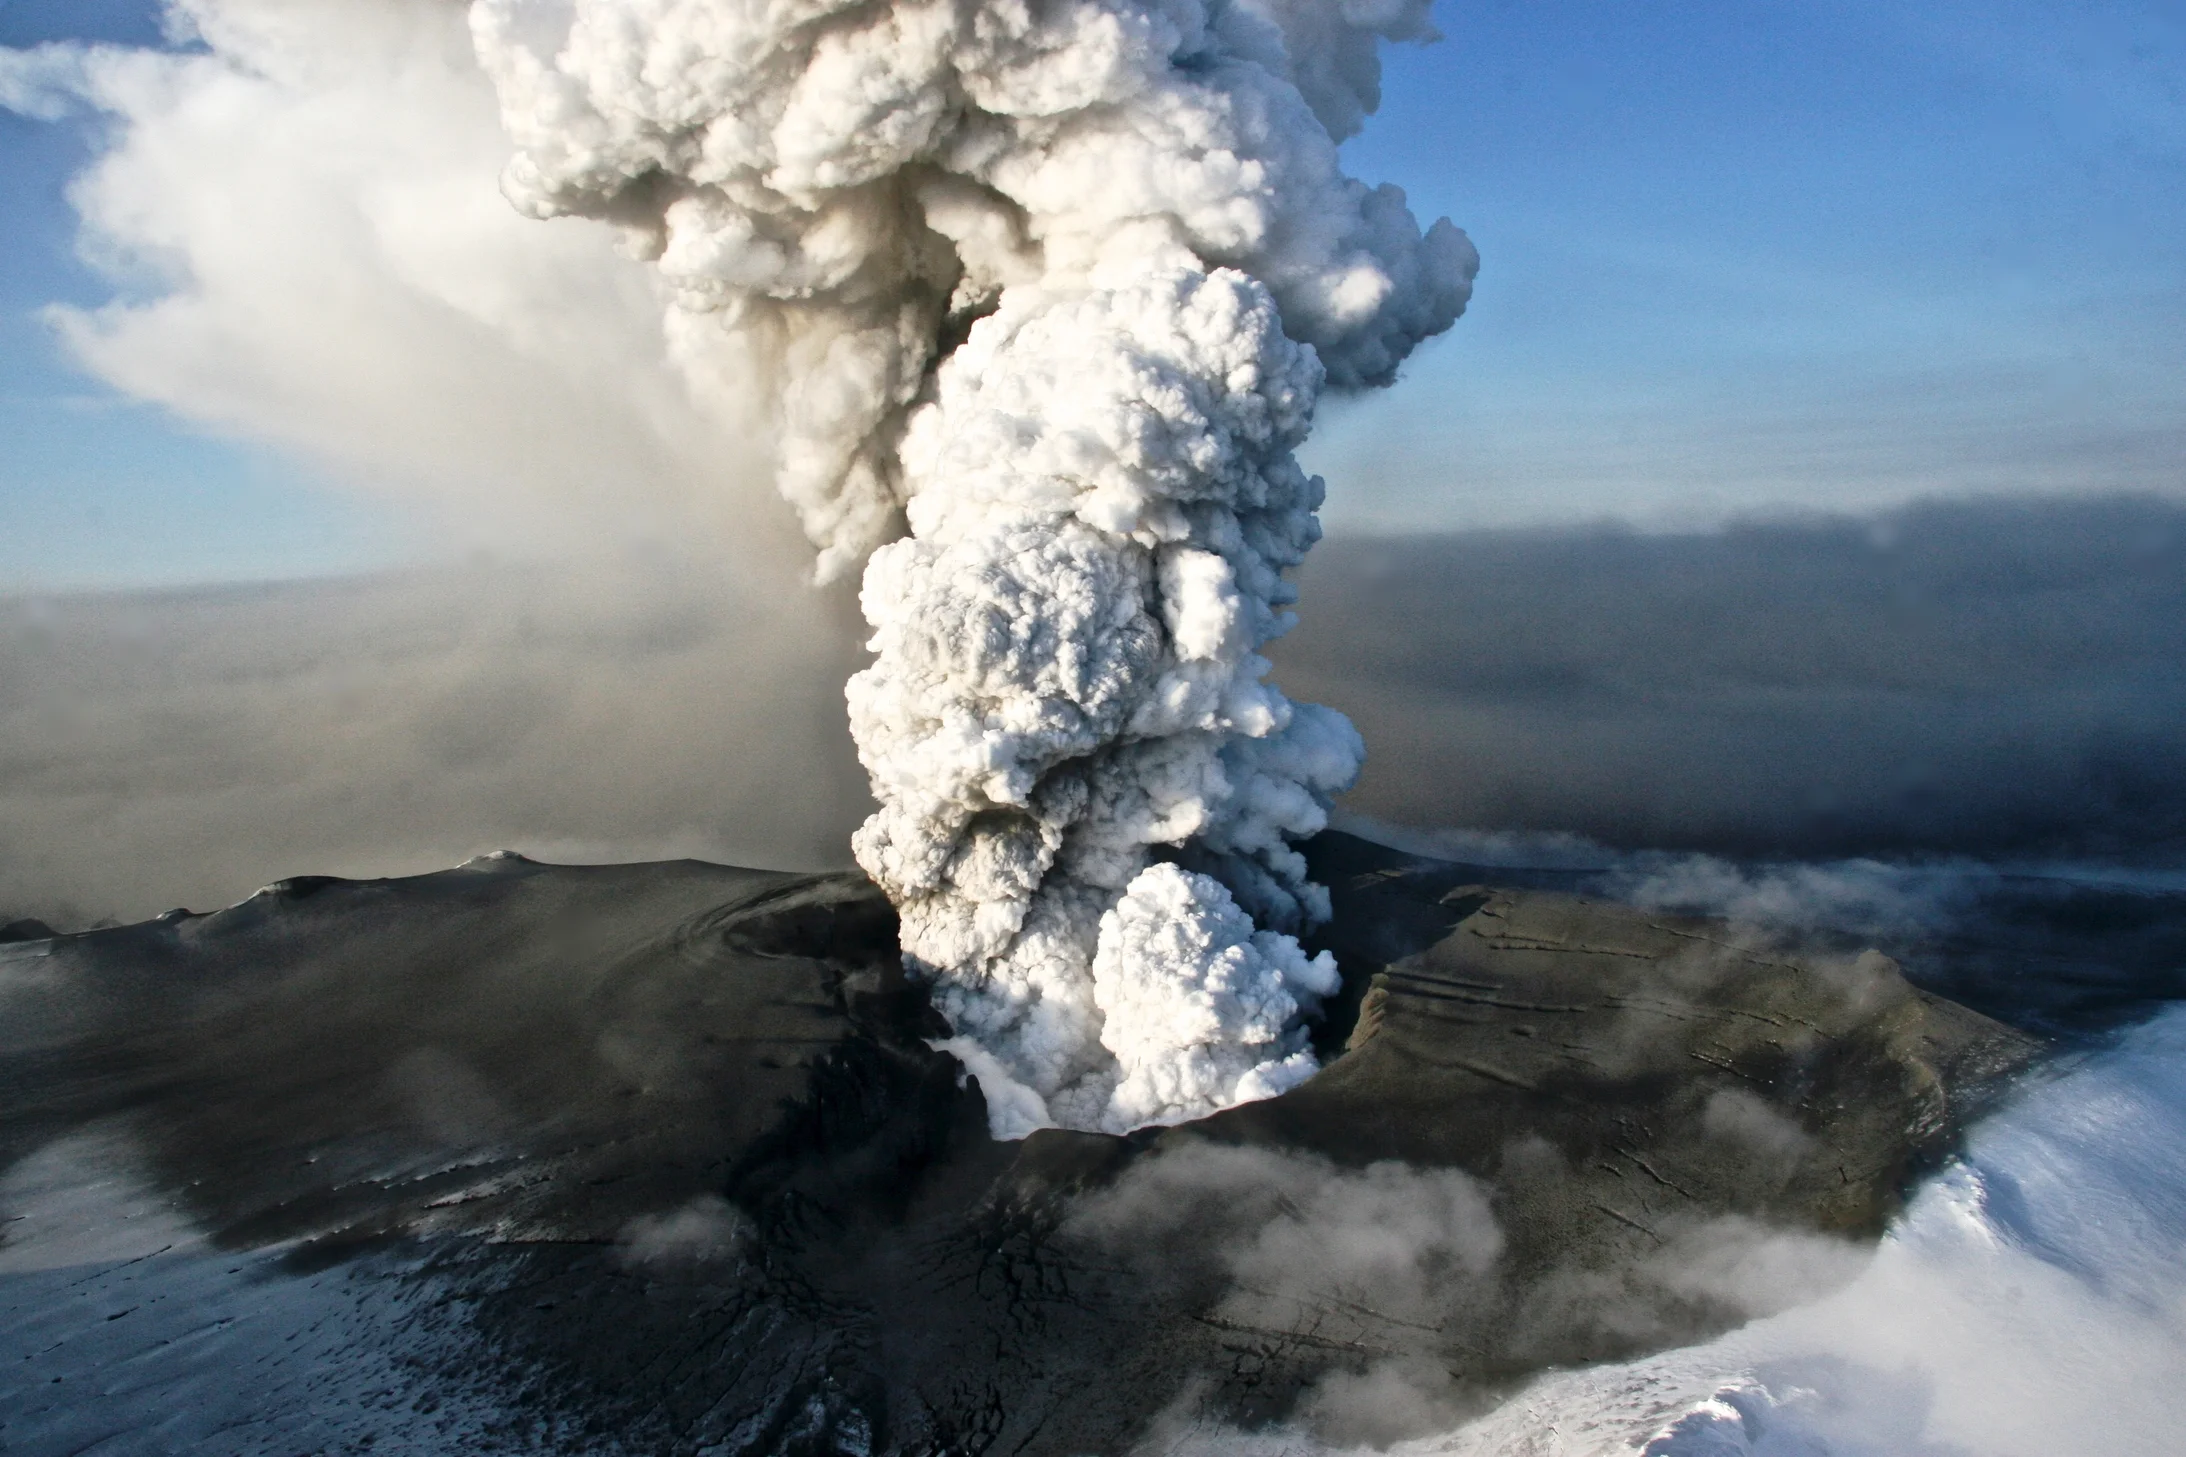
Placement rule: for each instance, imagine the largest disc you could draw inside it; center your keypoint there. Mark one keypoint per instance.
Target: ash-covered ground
(659, 1158)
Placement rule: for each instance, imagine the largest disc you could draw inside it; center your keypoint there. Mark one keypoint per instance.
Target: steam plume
(1055, 285)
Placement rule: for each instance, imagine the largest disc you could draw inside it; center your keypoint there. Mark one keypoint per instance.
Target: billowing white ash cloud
(1055, 286)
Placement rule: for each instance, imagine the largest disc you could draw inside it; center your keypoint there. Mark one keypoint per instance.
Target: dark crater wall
(658, 1158)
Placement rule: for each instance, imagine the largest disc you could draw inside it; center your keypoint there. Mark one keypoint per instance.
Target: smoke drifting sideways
(1404, 1269)
(1947, 694)
(296, 210)
(296, 206)
(1057, 286)
(183, 748)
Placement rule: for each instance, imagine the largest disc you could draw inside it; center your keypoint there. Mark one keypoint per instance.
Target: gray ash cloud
(186, 747)
(1973, 680)
(1981, 678)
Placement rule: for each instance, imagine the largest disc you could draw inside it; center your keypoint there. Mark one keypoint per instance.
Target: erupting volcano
(1055, 286)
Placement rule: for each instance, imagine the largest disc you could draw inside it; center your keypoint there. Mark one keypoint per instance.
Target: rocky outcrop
(669, 1149)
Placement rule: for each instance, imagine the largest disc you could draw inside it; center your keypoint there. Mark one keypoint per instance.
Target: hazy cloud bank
(1976, 680)
(184, 748)
(1981, 678)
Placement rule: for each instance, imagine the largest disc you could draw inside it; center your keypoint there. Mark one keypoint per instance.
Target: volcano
(662, 1157)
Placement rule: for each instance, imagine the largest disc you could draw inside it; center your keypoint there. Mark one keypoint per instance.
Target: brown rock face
(669, 1150)
(1681, 1064)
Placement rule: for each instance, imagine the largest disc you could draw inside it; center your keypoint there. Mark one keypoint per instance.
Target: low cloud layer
(1974, 680)
(1982, 678)
(185, 748)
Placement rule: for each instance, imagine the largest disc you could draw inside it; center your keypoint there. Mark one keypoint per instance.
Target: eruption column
(1055, 286)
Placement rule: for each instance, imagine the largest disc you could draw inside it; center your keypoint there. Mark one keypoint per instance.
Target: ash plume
(1055, 287)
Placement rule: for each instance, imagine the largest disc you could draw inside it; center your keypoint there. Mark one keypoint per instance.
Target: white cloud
(310, 250)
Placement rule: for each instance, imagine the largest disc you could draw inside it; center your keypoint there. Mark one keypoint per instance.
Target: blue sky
(1741, 257)
(1769, 256)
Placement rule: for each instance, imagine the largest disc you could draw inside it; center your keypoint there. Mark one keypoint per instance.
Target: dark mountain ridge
(663, 1161)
